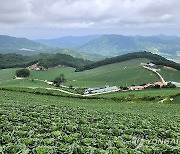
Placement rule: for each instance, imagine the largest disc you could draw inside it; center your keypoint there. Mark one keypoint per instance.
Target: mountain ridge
(10, 44)
(110, 45)
(71, 42)
(23, 46)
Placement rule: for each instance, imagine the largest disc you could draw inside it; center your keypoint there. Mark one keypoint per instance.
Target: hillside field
(125, 73)
(44, 121)
(170, 75)
(24, 83)
(7, 74)
(120, 74)
(33, 123)
(143, 93)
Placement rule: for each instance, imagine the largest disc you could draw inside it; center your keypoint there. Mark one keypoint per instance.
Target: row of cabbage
(38, 128)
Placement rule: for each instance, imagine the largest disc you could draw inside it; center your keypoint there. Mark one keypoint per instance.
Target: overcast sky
(36, 19)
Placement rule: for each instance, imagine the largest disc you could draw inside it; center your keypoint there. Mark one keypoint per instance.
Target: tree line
(154, 58)
(51, 60)
(13, 60)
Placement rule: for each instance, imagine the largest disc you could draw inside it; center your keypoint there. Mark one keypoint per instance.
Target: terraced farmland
(45, 124)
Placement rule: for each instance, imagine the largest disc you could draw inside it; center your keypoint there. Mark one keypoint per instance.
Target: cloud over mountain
(89, 14)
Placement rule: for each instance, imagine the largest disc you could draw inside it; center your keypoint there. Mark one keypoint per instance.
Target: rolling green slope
(120, 74)
(170, 75)
(124, 73)
(7, 74)
(51, 74)
(24, 83)
(154, 58)
(35, 123)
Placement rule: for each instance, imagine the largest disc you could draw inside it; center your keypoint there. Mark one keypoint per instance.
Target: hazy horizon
(86, 35)
(38, 19)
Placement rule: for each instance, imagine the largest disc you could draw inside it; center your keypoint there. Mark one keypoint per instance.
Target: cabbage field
(34, 123)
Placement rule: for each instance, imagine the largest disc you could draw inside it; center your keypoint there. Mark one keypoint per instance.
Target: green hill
(157, 59)
(170, 74)
(121, 74)
(7, 74)
(23, 46)
(121, 70)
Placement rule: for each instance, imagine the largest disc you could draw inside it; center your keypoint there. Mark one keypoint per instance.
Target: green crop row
(47, 124)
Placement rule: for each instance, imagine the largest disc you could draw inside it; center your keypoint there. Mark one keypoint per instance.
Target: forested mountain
(23, 46)
(83, 55)
(46, 60)
(154, 58)
(114, 45)
(111, 45)
(72, 42)
(96, 47)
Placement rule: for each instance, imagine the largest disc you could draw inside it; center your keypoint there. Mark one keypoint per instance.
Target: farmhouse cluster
(36, 67)
(149, 85)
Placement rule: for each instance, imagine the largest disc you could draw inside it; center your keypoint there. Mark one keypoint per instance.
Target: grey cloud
(90, 13)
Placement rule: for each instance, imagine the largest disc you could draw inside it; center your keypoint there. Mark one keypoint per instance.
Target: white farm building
(177, 84)
(100, 90)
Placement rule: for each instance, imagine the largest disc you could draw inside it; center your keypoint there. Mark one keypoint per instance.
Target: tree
(58, 80)
(70, 87)
(125, 88)
(22, 73)
(169, 85)
(157, 86)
